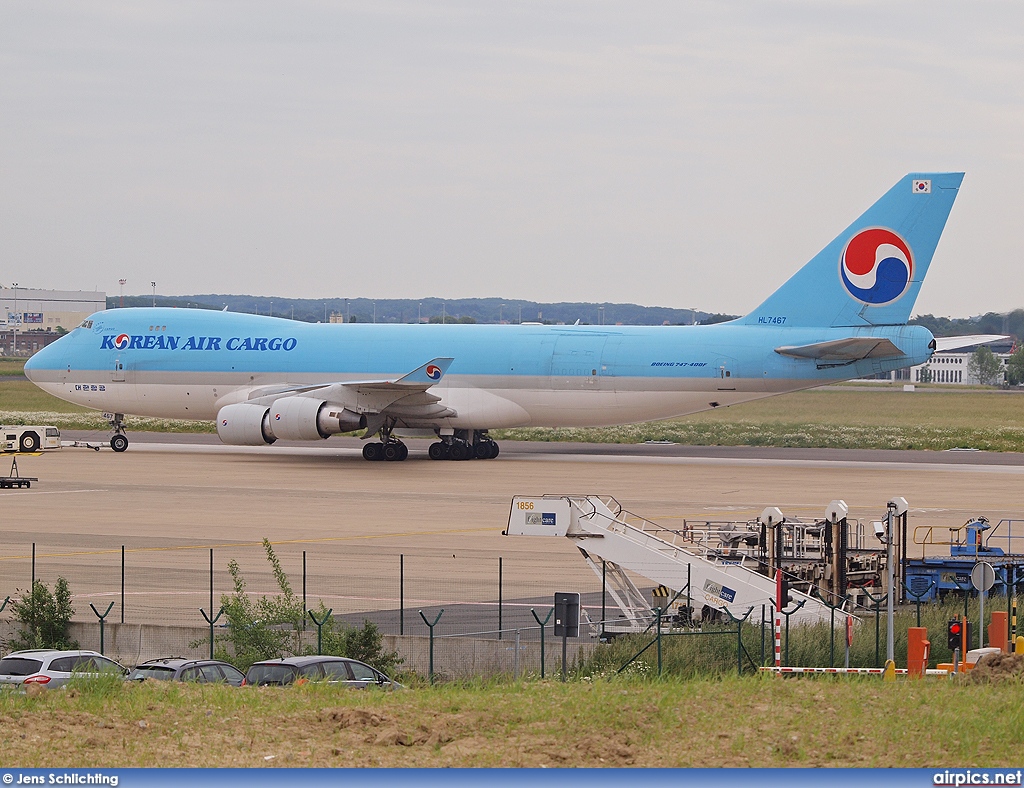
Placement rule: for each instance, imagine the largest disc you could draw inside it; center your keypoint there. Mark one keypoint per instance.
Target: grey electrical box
(567, 614)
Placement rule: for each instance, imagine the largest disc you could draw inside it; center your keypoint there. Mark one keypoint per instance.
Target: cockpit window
(86, 324)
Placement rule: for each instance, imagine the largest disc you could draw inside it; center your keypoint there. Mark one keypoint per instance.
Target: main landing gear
(389, 449)
(464, 445)
(118, 441)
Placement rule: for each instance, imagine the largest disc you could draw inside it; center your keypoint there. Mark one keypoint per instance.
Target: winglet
(430, 373)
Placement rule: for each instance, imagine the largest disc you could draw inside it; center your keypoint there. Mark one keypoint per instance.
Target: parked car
(203, 671)
(51, 668)
(332, 670)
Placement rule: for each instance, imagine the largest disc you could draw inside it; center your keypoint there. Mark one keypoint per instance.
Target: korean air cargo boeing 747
(843, 315)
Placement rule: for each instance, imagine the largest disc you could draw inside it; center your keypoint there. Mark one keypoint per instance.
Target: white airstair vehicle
(684, 562)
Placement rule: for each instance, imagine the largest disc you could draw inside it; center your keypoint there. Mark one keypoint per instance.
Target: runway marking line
(325, 539)
(54, 492)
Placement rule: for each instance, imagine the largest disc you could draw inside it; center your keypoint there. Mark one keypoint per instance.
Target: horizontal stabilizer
(851, 349)
(955, 343)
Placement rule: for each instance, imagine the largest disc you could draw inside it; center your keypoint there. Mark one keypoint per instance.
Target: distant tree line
(494, 310)
(428, 310)
(1011, 323)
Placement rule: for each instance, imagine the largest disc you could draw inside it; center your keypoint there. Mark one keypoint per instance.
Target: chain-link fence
(481, 593)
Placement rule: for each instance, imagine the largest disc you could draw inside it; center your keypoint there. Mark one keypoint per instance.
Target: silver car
(50, 668)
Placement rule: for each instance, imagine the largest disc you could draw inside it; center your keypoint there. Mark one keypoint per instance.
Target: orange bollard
(918, 648)
(997, 630)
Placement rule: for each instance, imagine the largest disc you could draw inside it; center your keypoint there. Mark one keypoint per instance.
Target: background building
(30, 319)
(951, 367)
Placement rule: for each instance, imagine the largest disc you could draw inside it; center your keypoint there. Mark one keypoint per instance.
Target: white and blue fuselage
(843, 315)
(188, 364)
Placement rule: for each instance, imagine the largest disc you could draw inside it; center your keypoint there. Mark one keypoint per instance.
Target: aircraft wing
(842, 350)
(406, 398)
(955, 343)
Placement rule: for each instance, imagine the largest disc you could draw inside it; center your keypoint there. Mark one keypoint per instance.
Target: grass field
(836, 417)
(11, 366)
(755, 721)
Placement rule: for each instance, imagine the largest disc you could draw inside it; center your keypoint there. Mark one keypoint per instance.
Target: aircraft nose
(50, 357)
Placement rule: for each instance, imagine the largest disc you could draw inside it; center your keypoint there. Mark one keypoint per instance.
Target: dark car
(332, 670)
(203, 671)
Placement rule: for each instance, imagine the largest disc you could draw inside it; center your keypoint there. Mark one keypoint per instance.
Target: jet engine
(308, 419)
(245, 424)
(289, 418)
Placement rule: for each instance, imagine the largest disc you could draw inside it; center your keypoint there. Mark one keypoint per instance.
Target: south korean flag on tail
(922, 187)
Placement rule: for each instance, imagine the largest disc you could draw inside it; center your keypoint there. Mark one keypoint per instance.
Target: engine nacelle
(308, 419)
(245, 424)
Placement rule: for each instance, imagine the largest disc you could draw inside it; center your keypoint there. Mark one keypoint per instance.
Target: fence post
(799, 605)
(547, 618)
(762, 634)
(211, 601)
(739, 634)
(967, 594)
(604, 588)
(122, 584)
(499, 595)
(918, 597)
(431, 627)
(401, 594)
(320, 629)
(211, 622)
(1011, 606)
(304, 605)
(832, 624)
(878, 622)
(101, 616)
(657, 612)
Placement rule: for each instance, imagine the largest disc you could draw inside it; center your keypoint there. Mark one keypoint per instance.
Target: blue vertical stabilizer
(871, 273)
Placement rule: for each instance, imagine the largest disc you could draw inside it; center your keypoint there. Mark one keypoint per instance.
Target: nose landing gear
(118, 441)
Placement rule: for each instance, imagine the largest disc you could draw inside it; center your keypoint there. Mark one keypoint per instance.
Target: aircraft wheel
(392, 452)
(494, 450)
(372, 451)
(459, 451)
(437, 451)
(403, 452)
(119, 443)
(482, 451)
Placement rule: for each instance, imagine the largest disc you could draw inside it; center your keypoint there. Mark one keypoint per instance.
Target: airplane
(843, 315)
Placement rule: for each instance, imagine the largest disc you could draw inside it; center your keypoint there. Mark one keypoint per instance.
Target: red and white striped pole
(778, 618)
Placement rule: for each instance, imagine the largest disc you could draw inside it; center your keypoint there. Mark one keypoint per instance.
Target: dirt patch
(998, 668)
(353, 718)
(383, 730)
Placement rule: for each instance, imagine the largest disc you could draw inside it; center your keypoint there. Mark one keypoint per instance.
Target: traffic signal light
(954, 634)
(784, 597)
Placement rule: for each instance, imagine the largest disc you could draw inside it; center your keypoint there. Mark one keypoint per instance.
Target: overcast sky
(680, 154)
